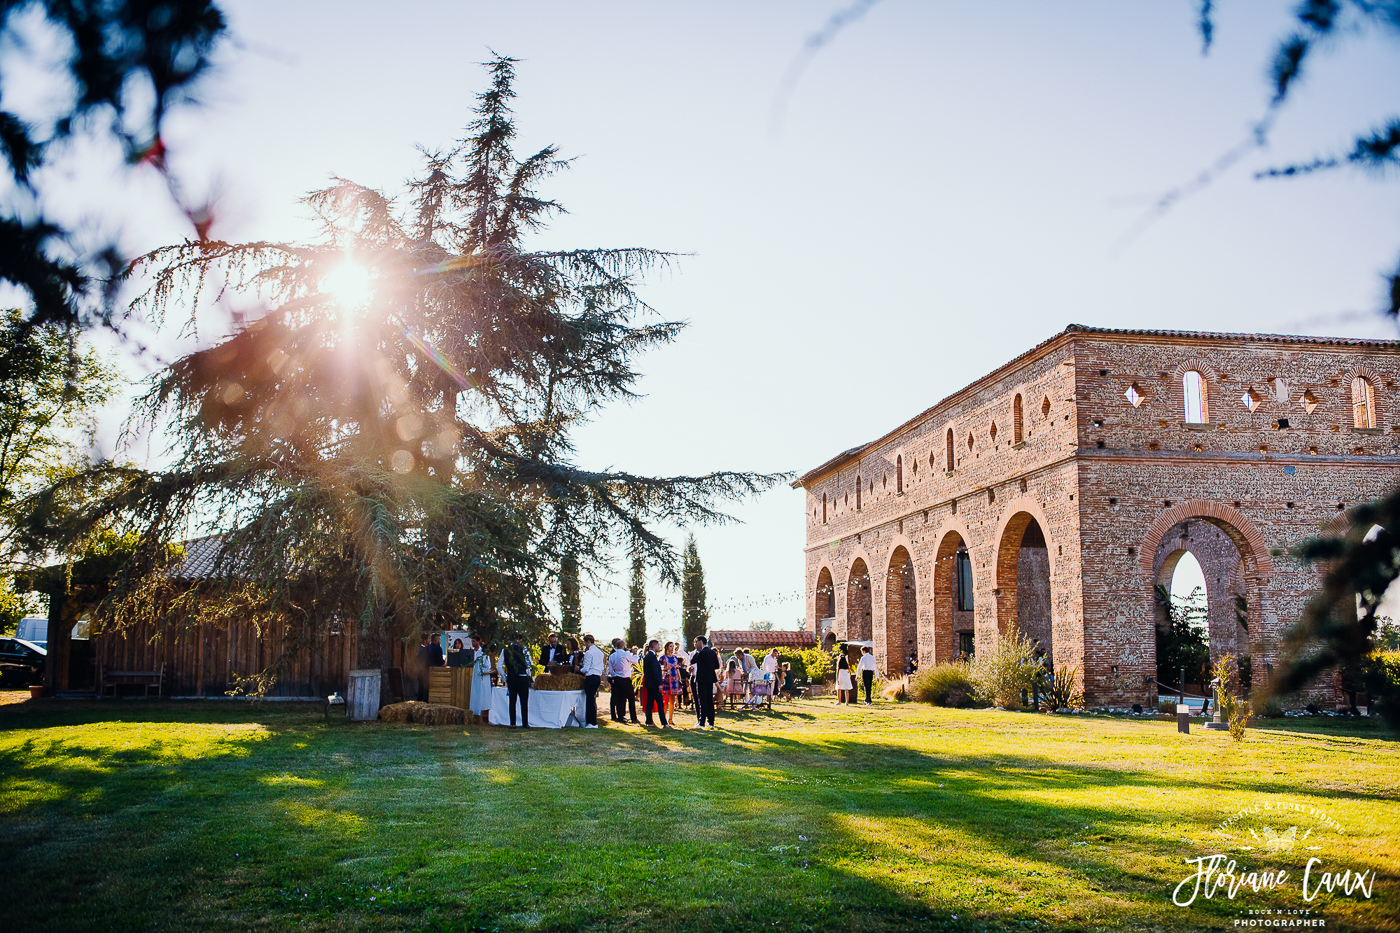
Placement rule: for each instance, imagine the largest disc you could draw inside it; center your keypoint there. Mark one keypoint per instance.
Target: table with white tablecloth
(549, 709)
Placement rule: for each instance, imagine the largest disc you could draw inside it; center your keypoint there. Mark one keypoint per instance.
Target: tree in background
(695, 616)
(1182, 642)
(637, 604)
(390, 442)
(764, 625)
(48, 401)
(570, 603)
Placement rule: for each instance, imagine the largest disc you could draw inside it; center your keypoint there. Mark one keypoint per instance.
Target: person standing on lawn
(771, 663)
(670, 679)
(481, 680)
(706, 663)
(623, 695)
(867, 671)
(553, 655)
(652, 677)
(845, 687)
(592, 672)
(518, 666)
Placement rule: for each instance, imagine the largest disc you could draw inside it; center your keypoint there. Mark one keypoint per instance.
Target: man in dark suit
(553, 654)
(651, 683)
(706, 662)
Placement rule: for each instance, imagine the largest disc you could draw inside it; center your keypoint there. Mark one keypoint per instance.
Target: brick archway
(948, 620)
(858, 602)
(824, 598)
(901, 618)
(1255, 567)
(1230, 520)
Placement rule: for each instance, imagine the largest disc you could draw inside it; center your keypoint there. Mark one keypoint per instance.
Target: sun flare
(350, 284)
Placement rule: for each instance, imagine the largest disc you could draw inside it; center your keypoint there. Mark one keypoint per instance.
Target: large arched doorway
(858, 627)
(1023, 583)
(901, 612)
(826, 604)
(952, 600)
(1201, 602)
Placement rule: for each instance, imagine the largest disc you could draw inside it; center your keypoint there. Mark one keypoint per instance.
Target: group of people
(672, 678)
(845, 684)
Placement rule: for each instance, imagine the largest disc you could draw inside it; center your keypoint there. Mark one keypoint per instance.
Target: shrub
(896, 690)
(1383, 684)
(946, 684)
(1062, 691)
(1005, 669)
(1233, 709)
(809, 664)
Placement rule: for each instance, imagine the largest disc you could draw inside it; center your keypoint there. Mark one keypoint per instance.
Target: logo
(1275, 846)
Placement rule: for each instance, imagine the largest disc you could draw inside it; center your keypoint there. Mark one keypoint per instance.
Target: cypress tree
(695, 617)
(570, 606)
(637, 608)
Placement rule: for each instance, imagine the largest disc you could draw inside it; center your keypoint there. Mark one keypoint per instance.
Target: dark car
(21, 662)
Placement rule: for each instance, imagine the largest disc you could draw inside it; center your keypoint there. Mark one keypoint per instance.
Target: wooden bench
(148, 680)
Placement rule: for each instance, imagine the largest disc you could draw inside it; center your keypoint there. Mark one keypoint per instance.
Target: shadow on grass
(294, 820)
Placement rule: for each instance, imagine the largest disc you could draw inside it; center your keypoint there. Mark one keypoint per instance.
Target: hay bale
(423, 714)
(559, 682)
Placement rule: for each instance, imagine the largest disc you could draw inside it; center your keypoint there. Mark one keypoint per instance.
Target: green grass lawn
(227, 816)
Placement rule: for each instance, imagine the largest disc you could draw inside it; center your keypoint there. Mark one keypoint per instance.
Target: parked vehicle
(21, 662)
(35, 630)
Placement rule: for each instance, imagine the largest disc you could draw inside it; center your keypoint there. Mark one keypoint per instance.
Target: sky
(866, 226)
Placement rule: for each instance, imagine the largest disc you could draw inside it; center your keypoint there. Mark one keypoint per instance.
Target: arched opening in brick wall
(858, 618)
(1023, 583)
(901, 613)
(1201, 553)
(952, 600)
(826, 603)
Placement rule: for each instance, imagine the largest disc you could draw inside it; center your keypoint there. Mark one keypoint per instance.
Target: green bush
(946, 684)
(809, 664)
(1007, 668)
(1383, 684)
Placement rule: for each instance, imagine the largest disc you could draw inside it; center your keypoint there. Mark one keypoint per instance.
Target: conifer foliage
(695, 616)
(637, 604)
(391, 440)
(570, 601)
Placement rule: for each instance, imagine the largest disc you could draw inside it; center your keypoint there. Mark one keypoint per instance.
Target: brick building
(1055, 492)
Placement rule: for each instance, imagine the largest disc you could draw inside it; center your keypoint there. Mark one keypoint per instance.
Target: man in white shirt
(867, 671)
(624, 695)
(592, 677)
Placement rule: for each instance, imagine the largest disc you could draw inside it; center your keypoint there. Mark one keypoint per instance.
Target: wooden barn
(182, 657)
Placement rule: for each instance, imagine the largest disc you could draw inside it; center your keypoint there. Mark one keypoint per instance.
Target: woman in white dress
(481, 680)
(845, 686)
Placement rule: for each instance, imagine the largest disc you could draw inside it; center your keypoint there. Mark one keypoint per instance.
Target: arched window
(963, 563)
(1017, 429)
(899, 474)
(823, 508)
(1193, 394)
(857, 492)
(949, 466)
(1363, 402)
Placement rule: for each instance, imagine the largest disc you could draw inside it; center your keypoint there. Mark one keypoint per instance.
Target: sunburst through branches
(390, 442)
